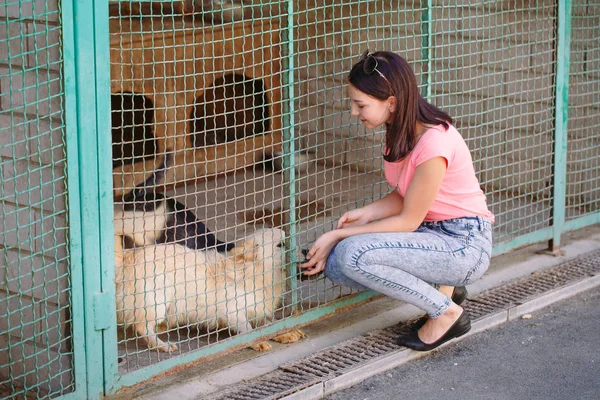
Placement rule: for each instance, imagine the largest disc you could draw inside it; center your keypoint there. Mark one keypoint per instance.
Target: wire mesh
(231, 135)
(199, 88)
(222, 92)
(493, 70)
(583, 195)
(342, 160)
(36, 360)
(210, 90)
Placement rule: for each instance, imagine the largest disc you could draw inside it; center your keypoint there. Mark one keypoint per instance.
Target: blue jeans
(406, 265)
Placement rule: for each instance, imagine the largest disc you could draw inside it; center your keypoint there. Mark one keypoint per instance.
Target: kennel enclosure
(178, 73)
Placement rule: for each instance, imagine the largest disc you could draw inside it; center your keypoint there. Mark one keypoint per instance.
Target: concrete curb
(397, 358)
(553, 296)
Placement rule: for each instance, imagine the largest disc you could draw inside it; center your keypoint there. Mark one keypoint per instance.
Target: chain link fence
(583, 195)
(36, 359)
(233, 150)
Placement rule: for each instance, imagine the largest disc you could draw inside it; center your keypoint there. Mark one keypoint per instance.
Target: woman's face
(371, 111)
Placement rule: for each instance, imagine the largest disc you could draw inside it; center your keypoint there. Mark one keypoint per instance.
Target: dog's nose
(301, 270)
(300, 274)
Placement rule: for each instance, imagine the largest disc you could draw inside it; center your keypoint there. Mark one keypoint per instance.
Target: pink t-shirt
(460, 194)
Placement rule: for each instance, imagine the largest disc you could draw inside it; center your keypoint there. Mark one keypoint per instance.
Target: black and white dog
(148, 217)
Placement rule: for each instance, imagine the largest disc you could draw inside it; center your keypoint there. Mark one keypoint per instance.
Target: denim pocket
(456, 229)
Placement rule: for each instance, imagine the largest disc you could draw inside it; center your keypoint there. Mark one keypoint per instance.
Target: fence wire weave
(200, 90)
(583, 195)
(36, 360)
(493, 70)
(212, 87)
(233, 149)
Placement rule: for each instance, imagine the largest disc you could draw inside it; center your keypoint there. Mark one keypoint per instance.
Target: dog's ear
(244, 253)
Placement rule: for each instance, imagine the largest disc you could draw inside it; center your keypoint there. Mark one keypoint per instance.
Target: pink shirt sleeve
(440, 145)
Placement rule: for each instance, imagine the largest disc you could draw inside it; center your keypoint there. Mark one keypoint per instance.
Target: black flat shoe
(459, 294)
(459, 328)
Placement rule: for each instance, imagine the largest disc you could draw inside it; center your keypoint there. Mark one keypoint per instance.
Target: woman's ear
(392, 103)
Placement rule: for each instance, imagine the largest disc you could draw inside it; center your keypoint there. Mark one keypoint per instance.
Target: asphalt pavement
(553, 353)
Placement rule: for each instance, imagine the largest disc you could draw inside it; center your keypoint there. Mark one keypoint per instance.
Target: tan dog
(173, 285)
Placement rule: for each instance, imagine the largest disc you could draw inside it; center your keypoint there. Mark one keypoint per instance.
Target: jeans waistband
(478, 222)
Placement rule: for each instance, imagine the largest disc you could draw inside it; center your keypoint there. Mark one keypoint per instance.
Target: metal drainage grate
(342, 357)
(520, 290)
(270, 386)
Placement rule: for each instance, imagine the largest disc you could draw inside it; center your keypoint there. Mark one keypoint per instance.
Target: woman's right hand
(351, 218)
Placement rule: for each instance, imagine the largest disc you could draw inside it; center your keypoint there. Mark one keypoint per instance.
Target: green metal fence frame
(561, 120)
(87, 104)
(87, 86)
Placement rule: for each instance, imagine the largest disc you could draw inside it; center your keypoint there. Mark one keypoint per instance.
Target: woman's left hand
(317, 255)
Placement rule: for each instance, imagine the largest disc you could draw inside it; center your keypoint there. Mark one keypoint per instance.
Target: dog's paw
(166, 347)
(262, 346)
(290, 337)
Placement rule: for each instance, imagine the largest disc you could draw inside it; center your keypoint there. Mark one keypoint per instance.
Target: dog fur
(175, 286)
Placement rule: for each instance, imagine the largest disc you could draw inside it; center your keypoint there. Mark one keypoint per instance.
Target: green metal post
(426, 49)
(74, 201)
(561, 120)
(289, 148)
(105, 194)
(87, 83)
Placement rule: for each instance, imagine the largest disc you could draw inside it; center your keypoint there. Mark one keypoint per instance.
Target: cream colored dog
(173, 285)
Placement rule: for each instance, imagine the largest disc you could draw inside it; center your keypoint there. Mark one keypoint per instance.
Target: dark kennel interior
(234, 107)
(132, 117)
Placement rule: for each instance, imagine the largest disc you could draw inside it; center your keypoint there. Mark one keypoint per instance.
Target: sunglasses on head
(370, 65)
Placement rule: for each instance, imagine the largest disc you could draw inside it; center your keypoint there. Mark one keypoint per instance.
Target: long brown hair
(398, 80)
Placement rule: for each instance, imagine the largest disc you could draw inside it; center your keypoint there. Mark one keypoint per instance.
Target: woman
(434, 228)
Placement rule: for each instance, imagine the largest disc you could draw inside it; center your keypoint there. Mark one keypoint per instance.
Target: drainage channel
(350, 354)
